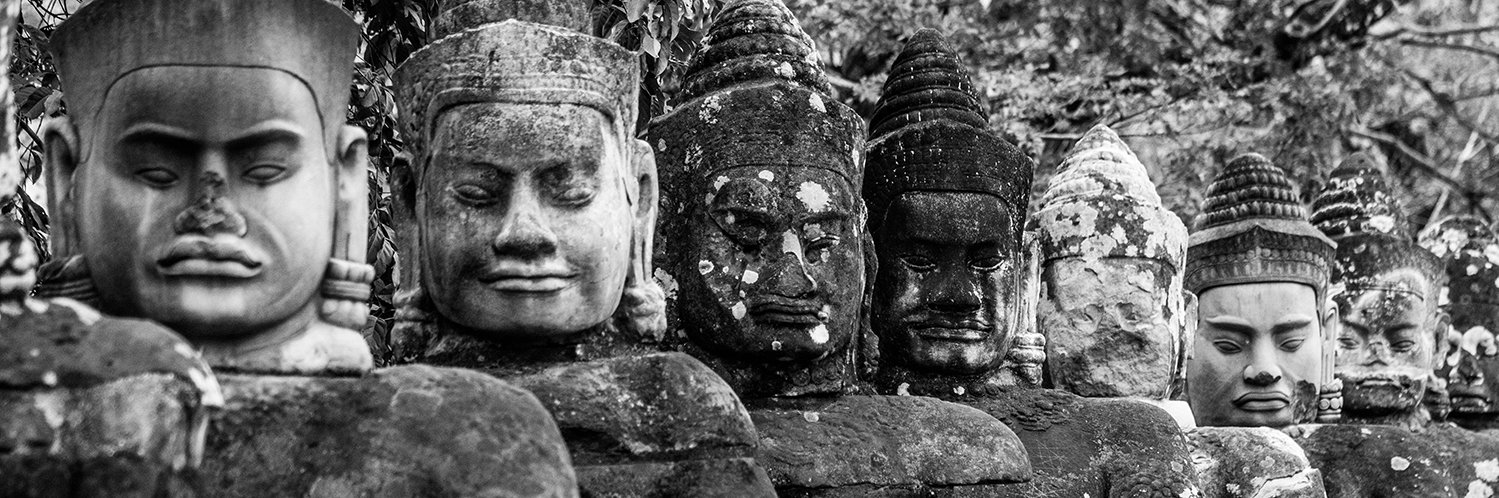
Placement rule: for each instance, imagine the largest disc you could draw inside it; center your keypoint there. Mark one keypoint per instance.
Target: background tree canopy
(1188, 83)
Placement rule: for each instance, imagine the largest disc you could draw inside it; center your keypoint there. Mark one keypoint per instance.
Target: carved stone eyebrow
(1291, 322)
(1231, 323)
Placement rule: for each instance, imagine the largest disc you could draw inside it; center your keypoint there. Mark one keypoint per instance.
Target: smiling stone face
(1387, 344)
(775, 271)
(1257, 359)
(527, 226)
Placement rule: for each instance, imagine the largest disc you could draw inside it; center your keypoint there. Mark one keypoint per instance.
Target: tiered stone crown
(929, 135)
(1470, 250)
(1358, 199)
(1358, 209)
(1103, 181)
(754, 40)
(1253, 229)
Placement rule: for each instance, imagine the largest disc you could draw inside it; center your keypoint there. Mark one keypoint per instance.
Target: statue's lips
(1262, 401)
(1469, 399)
(1377, 379)
(951, 330)
(200, 257)
(528, 279)
(785, 311)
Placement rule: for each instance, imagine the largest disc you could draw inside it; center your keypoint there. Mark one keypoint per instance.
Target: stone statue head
(1470, 251)
(1393, 331)
(1260, 271)
(947, 204)
(764, 244)
(529, 205)
(205, 178)
(1112, 306)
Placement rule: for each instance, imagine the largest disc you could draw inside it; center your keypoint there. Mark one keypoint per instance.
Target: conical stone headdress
(1470, 250)
(1358, 210)
(1101, 203)
(755, 95)
(928, 134)
(1254, 229)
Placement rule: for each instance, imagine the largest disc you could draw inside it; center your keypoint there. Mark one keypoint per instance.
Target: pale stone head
(205, 172)
(1260, 269)
(1112, 306)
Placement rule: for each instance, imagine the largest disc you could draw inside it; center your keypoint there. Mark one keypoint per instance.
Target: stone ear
(63, 151)
(346, 282)
(1188, 332)
(1443, 346)
(642, 308)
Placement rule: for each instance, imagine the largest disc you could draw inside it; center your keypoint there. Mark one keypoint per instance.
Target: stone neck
(902, 380)
(457, 346)
(1413, 419)
(830, 376)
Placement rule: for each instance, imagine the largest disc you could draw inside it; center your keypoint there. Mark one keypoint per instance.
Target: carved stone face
(206, 200)
(947, 292)
(1108, 325)
(1387, 344)
(774, 269)
(1258, 355)
(1473, 383)
(526, 224)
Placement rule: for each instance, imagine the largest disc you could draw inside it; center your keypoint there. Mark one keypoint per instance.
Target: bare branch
(1444, 102)
(1422, 162)
(1451, 46)
(1409, 30)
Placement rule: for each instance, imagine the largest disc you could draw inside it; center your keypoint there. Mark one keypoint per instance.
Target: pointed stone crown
(927, 82)
(1358, 199)
(929, 135)
(1359, 211)
(458, 15)
(1253, 229)
(755, 95)
(1101, 203)
(1470, 250)
(752, 40)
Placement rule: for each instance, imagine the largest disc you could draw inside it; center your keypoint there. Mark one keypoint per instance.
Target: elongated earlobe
(346, 282)
(642, 307)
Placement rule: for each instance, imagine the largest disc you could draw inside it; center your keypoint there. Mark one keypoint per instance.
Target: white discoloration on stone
(1487, 470)
(668, 284)
(49, 378)
(767, 175)
(1472, 270)
(751, 276)
(710, 107)
(738, 310)
(704, 267)
(904, 389)
(775, 345)
(960, 390)
(812, 417)
(719, 182)
(815, 100)
(1477, 489)
(1384, 223)
(1399, 464)
(792, 244)
(814, 196)
(786, 70)
(1491, 253)
(819, 334)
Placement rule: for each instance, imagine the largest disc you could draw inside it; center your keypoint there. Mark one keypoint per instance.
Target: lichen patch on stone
(814, 196)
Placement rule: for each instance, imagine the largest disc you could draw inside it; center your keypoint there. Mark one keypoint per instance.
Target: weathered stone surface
(1092, 446)
(1235, 462)
(258, 262)
(1260, 271)
(135, 436)
(1470, 250)
(1113, 310)
(457, 15)
(763, 247)
(902, 441)
(1379, 461)
(397, 432)
(729, 477)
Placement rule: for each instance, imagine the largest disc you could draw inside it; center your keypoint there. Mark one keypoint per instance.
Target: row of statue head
(526, 213)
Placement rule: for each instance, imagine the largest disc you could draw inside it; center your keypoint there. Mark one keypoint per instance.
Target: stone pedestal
(651, 425)
(397, 432)
(1378, 460)
(1252, 462)
(883, 446)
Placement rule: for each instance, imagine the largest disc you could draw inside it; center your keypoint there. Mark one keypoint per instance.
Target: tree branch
(1422, 162)
(1408, 30)
(1450, 46)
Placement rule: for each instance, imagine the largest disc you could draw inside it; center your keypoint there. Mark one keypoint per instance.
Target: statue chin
(1380, 393)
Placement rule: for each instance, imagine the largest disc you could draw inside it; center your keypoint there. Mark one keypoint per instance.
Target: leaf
(650, 45)
(634, 9)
